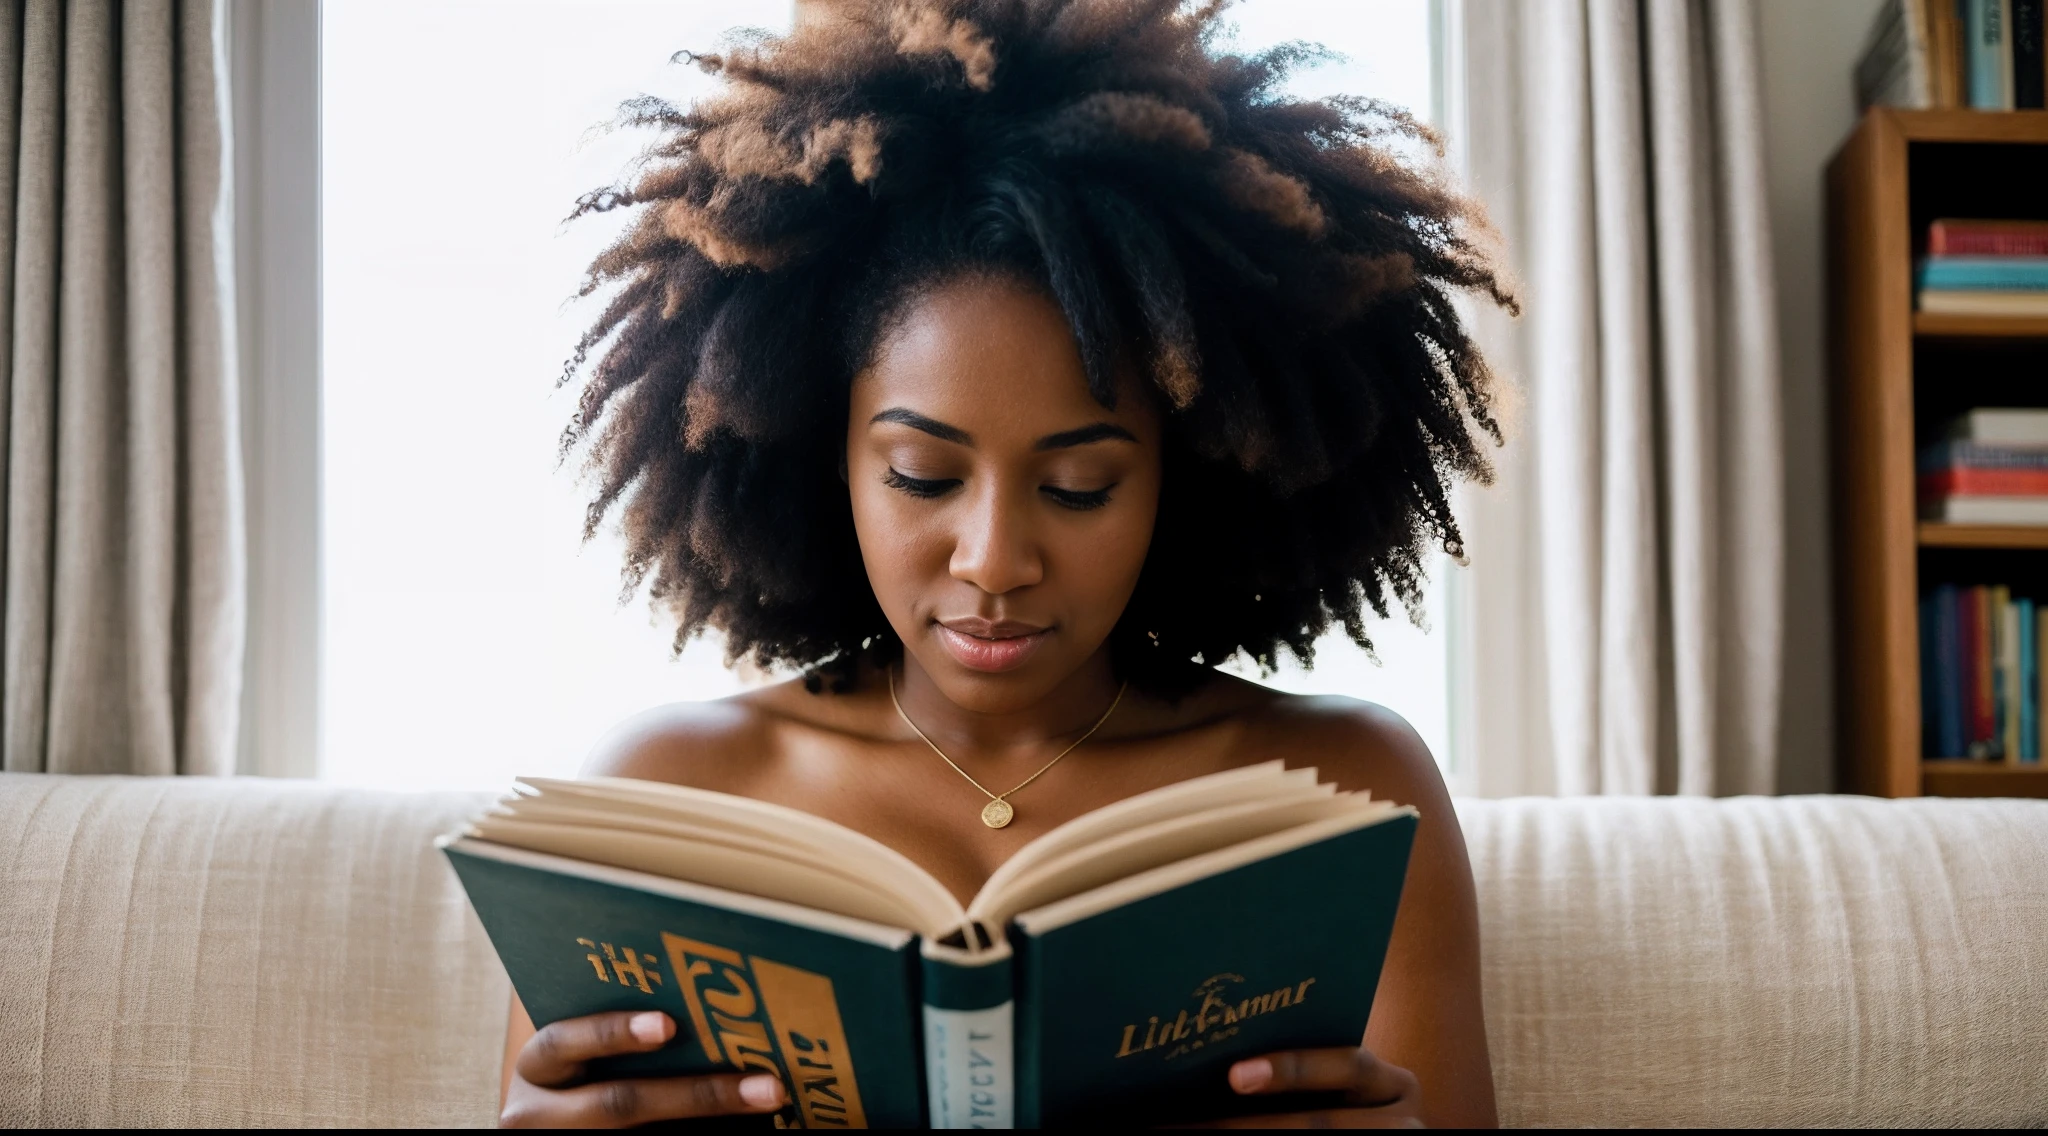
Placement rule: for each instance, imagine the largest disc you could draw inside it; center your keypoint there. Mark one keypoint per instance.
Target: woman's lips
(981, 645)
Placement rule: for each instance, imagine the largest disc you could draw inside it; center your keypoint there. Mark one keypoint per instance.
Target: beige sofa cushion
(249, 952)
(1765, 961)
(207, 952)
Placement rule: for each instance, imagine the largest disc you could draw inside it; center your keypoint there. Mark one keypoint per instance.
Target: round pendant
(997, 813)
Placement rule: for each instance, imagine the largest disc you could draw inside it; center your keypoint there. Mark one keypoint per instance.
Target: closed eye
(919, 486)
(1081, 499)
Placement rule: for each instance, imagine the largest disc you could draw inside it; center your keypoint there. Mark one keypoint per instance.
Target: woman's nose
(996, 549)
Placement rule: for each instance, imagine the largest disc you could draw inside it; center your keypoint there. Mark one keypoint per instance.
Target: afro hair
(1281, 270)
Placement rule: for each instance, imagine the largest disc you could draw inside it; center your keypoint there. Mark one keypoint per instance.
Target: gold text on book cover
(1216, 1017)
(760, 1015)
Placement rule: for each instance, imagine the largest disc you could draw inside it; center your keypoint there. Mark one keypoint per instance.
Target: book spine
(1987, 238)
(2030, 710)
(1883, 52)
(2008, 676)
(2040, 678)
(1990, 61)
(1979, 481)
(1990, 273)
(969, 1038)
(1948, 663)
(1974, 303)
(1977, 631)
(1984, 455)
(2026, 54)
(1930, 676)
(1917, 74)
(1944, 49)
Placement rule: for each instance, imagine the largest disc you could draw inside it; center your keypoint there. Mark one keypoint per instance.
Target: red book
(1950, 237)
(1978, 481)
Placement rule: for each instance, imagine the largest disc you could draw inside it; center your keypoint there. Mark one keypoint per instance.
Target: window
(468, 634)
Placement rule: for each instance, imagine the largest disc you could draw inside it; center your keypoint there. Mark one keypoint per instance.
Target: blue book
(1988, 53)
(2030, 709)
(1930, 679)
(1948, 665)
(1983, 273)
(1977, 455)
(1111, 971)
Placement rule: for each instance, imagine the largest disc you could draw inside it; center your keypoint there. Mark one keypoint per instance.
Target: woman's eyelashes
(929, 487)
(919, 486)
(1081, 499)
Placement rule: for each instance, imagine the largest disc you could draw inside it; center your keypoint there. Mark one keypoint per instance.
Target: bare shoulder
(1360, 745)
(727, 744)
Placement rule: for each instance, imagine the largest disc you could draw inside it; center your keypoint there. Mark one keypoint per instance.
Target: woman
(1003, 366)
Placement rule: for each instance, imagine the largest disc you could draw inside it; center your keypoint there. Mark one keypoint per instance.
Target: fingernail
(651, 1027)
(1251, 1076)
(761, 1091)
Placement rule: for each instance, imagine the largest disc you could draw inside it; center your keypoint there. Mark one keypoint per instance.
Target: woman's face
(1003, 513)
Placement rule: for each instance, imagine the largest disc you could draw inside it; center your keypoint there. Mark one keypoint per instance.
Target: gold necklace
(998, 812)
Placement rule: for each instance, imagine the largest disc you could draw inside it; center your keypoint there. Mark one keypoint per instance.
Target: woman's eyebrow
(932, 426)
(1098, 432)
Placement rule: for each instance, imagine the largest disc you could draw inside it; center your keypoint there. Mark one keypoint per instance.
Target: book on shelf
(1987, 267)
(1982, 54)
(1983, 273)
(1981, 678)
(2027, 74)
(2030, 512)
(1989, 468)
(1989, 54)
(1112, 968)
(1950, 236)
(1896, 66)
(1988, 433)
(1975, 303)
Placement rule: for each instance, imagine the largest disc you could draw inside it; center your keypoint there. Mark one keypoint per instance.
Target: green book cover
(1138, 1012)
(1127, 1002)
(826, 1003)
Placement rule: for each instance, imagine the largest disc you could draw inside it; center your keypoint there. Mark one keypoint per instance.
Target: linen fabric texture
(199, 951)
(1625, 601)
(121, 512)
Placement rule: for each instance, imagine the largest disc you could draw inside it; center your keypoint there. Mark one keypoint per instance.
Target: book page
(1268, 780)
(854, 852)
(714, 865)
(1157, 881)
(787, 855)
(1130, 852)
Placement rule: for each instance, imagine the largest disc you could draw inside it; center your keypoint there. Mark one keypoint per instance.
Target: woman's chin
(982, 691)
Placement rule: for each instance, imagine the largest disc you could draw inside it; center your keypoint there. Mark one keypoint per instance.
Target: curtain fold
(123, 588)
(1625, 595)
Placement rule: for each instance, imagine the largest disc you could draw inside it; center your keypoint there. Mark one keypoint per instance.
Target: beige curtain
(123, 523)
(1625, 598)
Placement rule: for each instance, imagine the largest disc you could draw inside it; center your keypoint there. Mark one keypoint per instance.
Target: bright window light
(469, 634)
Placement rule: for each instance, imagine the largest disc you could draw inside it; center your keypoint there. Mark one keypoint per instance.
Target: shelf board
(1936, 534)
(1968, 125)
(1982, 779)
(1938, 325)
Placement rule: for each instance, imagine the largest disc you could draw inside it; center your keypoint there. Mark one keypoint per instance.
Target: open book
(1113, 967)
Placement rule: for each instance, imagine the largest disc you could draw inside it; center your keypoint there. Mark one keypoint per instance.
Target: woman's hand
(1375, 1094)
(547, 1089)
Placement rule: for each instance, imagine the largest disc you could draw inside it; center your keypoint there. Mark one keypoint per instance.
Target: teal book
(1109, 972)
(1988, 53)
(1983, 273)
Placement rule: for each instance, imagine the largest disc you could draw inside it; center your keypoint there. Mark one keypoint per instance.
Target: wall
(1809, 52)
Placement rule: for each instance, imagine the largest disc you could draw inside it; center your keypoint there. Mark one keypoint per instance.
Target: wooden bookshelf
(1982, 779)
(1929, 325)
(1936, 535)
(1895, 375)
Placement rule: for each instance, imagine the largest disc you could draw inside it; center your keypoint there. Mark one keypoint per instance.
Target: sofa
(188, 951)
